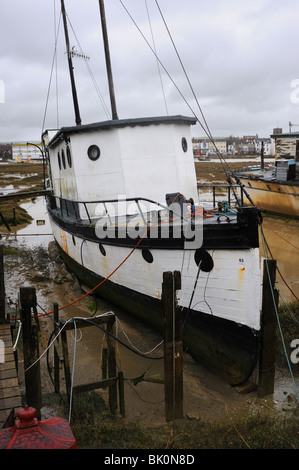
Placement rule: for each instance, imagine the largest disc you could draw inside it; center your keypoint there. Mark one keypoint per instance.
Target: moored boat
(124, 208)
(276, 189)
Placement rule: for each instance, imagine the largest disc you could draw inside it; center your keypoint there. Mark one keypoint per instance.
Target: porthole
(93, 152)
(147, 256)
(69, 157)
(184, 144)
(59, 161)
(205, 260)
(102, 249)
(63, 159)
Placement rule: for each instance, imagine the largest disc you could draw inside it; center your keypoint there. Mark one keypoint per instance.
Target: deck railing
(72, 208)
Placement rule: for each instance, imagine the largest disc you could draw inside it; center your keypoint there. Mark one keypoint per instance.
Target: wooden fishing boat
(276, 189)
(124, 208)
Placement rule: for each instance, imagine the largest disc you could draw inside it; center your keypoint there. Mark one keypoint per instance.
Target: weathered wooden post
(56, 355)
(121, 390)
(66, 364)
(31, 350)
(104, 362)
(112, 366)
(173, 346)
(2, 288)
(268, 331)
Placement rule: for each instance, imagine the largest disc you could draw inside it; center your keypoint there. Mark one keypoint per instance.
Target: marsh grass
(249, 428)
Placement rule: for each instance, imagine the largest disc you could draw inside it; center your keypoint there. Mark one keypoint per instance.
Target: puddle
(282, 238)
(37, 233)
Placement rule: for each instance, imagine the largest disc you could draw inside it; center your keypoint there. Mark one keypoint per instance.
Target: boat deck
(267, 175)
(10, 396)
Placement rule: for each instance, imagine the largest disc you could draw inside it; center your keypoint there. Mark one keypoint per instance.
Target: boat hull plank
(273, 197)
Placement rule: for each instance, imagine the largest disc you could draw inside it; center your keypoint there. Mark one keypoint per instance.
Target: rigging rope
(91, 73)
(207, 129)
(158, 66)
(51, 74)
(226, 168)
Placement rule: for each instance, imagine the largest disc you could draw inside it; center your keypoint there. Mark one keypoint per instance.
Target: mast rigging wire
(51, 74)
(158, 66)
(205, 127)
(90, 72)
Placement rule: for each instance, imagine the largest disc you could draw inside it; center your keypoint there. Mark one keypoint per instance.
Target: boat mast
(108, 61)
(71, 68)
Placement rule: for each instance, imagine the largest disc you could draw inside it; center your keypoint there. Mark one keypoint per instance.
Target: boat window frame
(63, 159)
(90, 152)
(69, 156)
(184, 144)
(59, 159)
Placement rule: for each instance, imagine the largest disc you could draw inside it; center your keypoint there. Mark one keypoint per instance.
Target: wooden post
(31, 351)
(2, 288)
(121, 391)
(173, 347)
(268, 331)
(112, 367)
(113, 379)
(104, 363)
(56, 356)
(66, 363)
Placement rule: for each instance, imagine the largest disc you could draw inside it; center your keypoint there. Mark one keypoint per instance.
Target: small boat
(124, 209)
(275, 189)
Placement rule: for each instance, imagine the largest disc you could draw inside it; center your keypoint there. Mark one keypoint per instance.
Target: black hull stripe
(235, 235)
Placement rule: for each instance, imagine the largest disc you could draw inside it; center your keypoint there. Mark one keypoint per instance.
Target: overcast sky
(241, 57)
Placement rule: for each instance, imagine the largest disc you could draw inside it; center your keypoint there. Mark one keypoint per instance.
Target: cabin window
(93, 152)
(184, 144)
(59, 161)
(69, 157)
(147, 256)
(63, 159)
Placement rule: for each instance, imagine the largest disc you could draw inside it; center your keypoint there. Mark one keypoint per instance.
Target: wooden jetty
(10, 396)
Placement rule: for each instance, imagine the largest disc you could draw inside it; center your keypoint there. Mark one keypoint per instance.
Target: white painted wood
(232, 290)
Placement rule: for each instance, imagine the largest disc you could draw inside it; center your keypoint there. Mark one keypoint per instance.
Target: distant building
(204, 146)
(269, 146)
(21, 151)
(5, 151)
(246, 145)
(287, 147)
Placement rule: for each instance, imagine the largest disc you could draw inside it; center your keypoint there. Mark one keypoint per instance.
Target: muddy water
(204, 394)
(282, 236)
